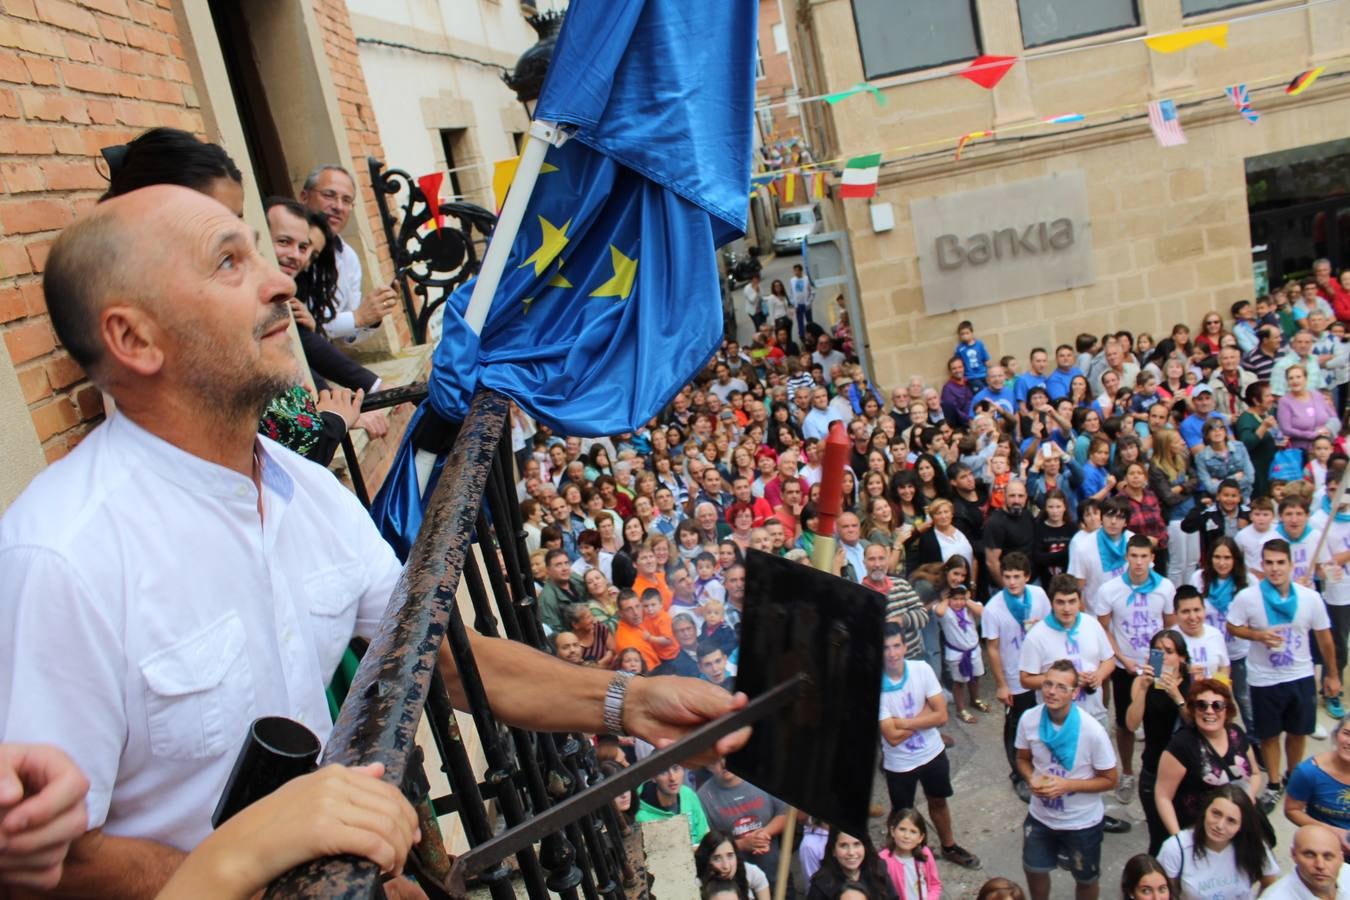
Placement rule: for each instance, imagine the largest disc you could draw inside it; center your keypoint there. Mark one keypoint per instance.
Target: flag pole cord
(543, 135)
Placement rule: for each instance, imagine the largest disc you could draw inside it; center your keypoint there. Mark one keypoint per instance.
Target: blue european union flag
(610, 301)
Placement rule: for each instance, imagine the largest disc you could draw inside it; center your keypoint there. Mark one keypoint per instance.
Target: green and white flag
(860, 176)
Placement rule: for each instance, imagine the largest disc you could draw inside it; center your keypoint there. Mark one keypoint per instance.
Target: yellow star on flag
(625, 270)
(553, 240)
(558, 280)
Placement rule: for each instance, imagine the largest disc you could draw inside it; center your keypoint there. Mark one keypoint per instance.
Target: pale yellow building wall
(1169, 225)
(20, 453)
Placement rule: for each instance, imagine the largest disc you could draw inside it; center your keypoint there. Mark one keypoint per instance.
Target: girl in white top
(716, 859)
(1225, 855)
(959, 617)
(1207, 647)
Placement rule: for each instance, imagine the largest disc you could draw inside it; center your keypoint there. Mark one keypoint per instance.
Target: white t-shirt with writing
(1211, 876)
(1207, 649)
(1337, 580)
(1266, 667)
(1043, 645)
(1301, 552)
(1250, 541)
(1237, 647)
(909, 701)
(997, 624)
(1135, 618)
(1085, 562)
(1072, 811)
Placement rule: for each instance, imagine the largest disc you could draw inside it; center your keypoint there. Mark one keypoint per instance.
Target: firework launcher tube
(833, 460)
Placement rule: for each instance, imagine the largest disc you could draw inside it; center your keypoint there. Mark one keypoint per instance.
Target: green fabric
(690, 806)
(292, 419)
(342, 682)
(552, 600)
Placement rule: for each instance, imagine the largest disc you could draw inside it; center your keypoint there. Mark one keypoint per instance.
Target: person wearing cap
(1192, 428)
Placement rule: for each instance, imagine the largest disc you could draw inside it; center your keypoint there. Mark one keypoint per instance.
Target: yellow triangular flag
(503, 170)
(1180, 40)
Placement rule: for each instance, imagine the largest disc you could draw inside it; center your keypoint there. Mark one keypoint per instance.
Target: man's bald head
(1317, 856)
(91, 262)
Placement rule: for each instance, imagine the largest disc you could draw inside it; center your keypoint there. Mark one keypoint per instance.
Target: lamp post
(527, 80)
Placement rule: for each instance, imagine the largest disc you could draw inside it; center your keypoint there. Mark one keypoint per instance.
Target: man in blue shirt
(1192, 428)
(1031, 378)
(998, 392)
(1058, 382)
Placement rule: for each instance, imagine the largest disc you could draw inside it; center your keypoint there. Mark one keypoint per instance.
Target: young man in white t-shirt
(1068, 633)
(1334, 564)
(1277, 616)
(1067, 759)
(1004, 631)
(913, 708)
(1085, 552)
(1302, 540)
(1206, 645)
(1132, 609)
(1252, 538)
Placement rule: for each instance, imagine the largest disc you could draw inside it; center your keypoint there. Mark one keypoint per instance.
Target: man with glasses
(1277, 616)
(1067, 759)
(331, 191)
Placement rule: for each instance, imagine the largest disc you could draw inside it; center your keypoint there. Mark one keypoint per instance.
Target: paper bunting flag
(967, 138)
(503, 170)
(1243, 101)
(1166, 124)
(1064, 119)
(788, 191)
(818, 186)
(858, 88)
(1180, 40)
(860, 176)
(1303, 81)
(987, 71)
(430, 185)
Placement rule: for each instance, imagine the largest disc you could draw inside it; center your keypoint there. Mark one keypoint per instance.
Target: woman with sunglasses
(1209, 752)
(1211, 334)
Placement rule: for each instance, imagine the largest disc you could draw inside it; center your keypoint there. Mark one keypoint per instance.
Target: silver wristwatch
(614, 698)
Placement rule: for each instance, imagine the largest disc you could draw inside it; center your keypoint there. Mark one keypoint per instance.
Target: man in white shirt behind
(1320, 871)
(1067, 759)
(1095, 557)
(1281, 618)
(199, 576)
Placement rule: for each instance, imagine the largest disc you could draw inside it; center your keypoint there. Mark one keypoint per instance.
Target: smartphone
(1155, 662)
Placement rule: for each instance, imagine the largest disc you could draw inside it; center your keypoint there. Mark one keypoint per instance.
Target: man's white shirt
(1134, 620)
(1266, 667)
(1085, 562)
(998, 624)
(1075, 810)
(147, 616)
(1086, 650)
(348, 295)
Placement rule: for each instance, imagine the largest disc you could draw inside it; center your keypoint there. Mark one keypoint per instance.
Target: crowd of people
(1132, 538)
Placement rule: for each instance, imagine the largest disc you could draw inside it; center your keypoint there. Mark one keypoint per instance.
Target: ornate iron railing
(473, 502)
(429, 262)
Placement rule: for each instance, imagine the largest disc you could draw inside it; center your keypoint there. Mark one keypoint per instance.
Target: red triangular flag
(430, 185)
(987, 71)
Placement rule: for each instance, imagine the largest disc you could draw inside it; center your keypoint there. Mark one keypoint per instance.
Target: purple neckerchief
(967, 664)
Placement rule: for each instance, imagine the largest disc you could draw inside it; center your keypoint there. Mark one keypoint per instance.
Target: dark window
(1049, 21)
(450, 143)
(1195, 7)
(917, 34)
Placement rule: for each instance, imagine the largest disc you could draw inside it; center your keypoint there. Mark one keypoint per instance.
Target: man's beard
(1013, 510)
(228, 381)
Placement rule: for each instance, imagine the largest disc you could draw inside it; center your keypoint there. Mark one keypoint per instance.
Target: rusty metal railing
(397, 681)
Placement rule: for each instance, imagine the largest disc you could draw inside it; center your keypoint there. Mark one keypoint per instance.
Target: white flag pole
(542, 136)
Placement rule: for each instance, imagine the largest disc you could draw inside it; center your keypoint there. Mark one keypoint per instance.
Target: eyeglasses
(1053, 686)
(1217, 706)
(333, 196)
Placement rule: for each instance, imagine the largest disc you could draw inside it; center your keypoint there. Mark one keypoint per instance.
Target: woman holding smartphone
(1158, 701)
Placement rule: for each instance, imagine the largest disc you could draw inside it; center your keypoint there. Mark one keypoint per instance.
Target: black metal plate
(818, 754)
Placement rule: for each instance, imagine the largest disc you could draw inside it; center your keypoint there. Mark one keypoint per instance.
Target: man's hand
(41, 812)
(343, 402)
(1331, 685)
(373, 423)
(375, 306)
(1005, 695)
(1272, 639)
(663, 708)
(300, 312)
(757, 841)
(1088, 679)
(1049, 787)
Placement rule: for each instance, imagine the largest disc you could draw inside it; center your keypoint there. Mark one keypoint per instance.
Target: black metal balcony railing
(434, 260)
(473, 502)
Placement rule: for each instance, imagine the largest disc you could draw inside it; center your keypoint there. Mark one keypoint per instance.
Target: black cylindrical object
(276, 749)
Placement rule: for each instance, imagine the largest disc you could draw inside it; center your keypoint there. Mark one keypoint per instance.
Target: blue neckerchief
(1017, 605)
(1219, 593)
(1142, 590)
(1112, 552)
(1279, 610)
(1071, 631)
(1326, 508)
(888, 686)
(1284, 534)
(1061, 741)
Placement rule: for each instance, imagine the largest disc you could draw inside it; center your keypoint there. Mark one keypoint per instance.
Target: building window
(1195, 7)
(452, 143)
(929, 33)
(1049, 21)
(759, 63)
(780, 44)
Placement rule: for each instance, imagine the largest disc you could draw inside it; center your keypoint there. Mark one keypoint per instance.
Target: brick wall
(74, 77)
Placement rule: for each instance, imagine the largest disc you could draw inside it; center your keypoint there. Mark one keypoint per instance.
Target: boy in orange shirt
(656, 622)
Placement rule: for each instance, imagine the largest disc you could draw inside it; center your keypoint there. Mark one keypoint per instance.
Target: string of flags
(1243, 101)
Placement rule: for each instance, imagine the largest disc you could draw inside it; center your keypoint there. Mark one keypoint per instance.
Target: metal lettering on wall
(1000, 243)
